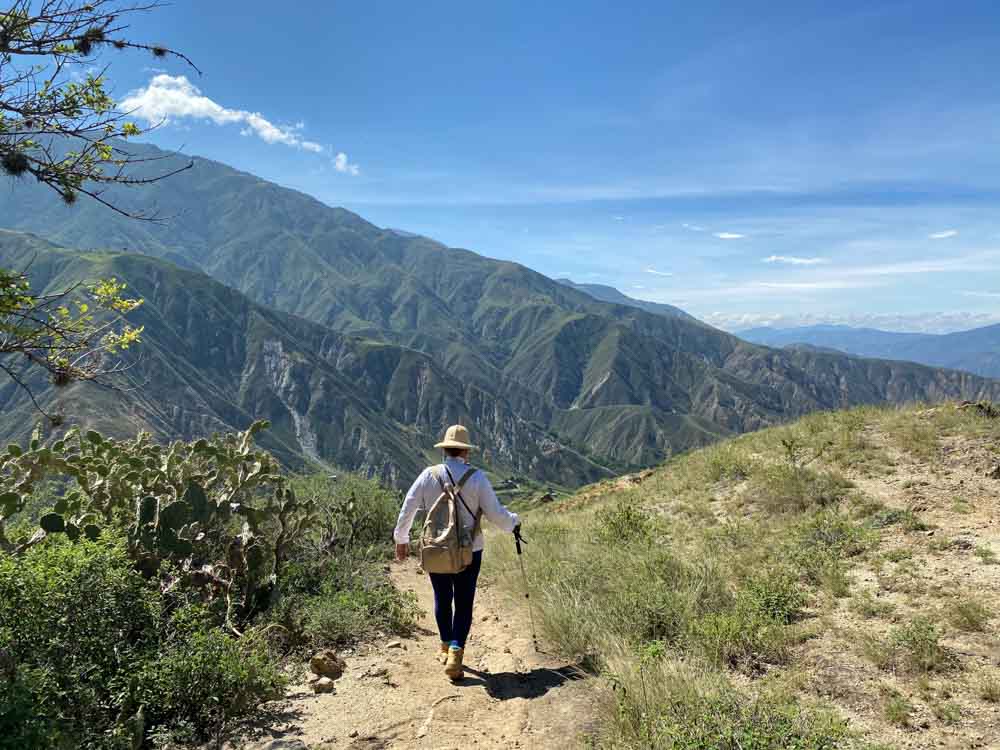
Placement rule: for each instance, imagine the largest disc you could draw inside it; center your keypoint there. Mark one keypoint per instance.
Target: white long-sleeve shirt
(477, 493)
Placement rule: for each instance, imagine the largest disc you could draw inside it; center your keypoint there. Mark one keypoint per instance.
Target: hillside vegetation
(828, 584)
(557, 385)
(149, 593)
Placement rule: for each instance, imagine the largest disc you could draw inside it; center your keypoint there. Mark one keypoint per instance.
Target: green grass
(896, 709)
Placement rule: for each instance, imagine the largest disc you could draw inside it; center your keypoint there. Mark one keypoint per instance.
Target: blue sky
(780, 162)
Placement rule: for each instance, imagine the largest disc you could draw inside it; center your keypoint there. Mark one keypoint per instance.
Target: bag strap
(458, 491)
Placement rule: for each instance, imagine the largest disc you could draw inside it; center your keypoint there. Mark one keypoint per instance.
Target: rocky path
(397, 696)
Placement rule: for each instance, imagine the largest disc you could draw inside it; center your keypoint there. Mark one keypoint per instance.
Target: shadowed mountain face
(977, 350)
(403, 336)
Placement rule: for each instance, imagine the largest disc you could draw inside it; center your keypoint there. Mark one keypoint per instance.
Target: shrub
(774, 594)
(788, 489)
(919, 642)
(91, 642)
(206, 682)
(621, 523)
(969, 614)
(742, 638)
(76, 621)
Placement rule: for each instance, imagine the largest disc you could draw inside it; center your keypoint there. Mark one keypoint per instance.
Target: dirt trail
(400, 698)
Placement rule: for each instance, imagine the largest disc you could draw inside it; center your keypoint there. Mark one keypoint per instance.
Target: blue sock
(454, 646)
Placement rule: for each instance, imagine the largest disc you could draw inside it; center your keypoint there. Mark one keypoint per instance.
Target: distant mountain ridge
(384, 339)
(976, 350)
(606, 293)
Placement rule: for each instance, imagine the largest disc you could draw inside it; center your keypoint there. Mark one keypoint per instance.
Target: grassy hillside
(828, 584)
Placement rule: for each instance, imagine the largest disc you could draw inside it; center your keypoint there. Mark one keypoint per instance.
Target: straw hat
(455, 436)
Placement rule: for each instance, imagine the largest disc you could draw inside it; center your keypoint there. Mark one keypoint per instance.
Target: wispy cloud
(990, 295)
(943, 235)
(167, 98)
(694, 227)
(728, 235)
(794, 260)
(618, 218)
(814, 285)
(658, 273)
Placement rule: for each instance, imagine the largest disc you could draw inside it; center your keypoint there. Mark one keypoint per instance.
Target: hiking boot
(442, 654)
(453, 668)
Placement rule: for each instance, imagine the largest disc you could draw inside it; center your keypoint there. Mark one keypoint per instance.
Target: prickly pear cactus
(176, 504)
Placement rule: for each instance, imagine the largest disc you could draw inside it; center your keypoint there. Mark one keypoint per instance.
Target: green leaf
(94, 437)
(14, 449)
(73, 532)
(53, 523)
(92, 532)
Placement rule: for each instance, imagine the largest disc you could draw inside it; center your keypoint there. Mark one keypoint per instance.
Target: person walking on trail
(454, 496)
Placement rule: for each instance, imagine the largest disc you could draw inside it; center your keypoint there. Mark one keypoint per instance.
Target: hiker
(472, 497)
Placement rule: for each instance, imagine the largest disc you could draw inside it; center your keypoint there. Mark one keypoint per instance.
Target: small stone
(327, 663)
(394, 644)
(929, 533)
(353, 734)
(324, 685)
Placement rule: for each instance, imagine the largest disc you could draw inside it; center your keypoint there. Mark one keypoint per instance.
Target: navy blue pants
(458, 589)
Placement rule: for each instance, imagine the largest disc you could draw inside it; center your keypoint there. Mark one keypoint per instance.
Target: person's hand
(402, 552)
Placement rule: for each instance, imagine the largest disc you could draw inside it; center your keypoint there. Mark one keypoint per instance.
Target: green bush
(774, 594)
(621, 523)
(77, 621)
(205, 683)
(91, 642)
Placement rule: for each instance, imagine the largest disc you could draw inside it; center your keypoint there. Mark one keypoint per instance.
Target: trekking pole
(518, 539)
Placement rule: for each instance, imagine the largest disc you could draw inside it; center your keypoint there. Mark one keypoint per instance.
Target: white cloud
(658, 273)
(729, 235)
(943, 235)
(167, 98)
(693, 227)
(618, 218)
(795, 261)
(991, 295)
(341, 164)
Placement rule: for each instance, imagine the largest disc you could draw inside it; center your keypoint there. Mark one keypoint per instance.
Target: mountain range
(361, 344)
(976, 351)
(606, 293)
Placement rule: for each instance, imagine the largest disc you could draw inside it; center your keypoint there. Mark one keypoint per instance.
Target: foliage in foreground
(148, 592)
(100, 655)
